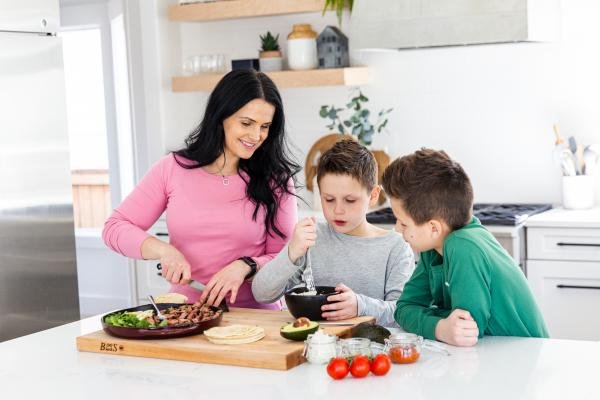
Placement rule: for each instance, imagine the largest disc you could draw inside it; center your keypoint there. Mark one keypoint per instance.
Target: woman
(228, 195)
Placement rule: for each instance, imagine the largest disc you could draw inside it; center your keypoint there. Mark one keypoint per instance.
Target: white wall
(491, 107)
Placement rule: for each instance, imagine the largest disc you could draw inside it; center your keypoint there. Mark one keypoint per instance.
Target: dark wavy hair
(271, 166)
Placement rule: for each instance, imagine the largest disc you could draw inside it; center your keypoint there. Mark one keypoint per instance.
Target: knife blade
(197, 285)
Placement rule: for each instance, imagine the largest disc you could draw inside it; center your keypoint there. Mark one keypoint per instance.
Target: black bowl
(308, 306)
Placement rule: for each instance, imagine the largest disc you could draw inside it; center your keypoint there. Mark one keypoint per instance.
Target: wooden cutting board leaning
(271, 352)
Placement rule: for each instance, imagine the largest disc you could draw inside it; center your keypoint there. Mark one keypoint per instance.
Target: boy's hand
(345, 306)
(458, 329)
(304, 236)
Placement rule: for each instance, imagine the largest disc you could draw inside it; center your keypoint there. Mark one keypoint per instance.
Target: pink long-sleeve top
(209, 222)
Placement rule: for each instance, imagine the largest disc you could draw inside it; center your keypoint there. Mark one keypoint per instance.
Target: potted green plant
(269, 55)
(358, 123)
(338, 7)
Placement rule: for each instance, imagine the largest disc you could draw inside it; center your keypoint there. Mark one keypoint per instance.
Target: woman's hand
(345, 306)
(174, 267)
(304, 236)
(228, 279)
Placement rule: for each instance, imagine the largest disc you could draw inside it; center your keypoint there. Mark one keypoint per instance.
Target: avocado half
(289, 331)
(376, 333)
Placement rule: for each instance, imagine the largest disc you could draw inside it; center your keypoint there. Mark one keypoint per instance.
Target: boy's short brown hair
(431, 185)
(347, 157)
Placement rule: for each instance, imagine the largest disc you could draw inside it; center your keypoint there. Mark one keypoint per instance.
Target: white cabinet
(564, 244)
(563, 269)
(147, 278)
(568, 293)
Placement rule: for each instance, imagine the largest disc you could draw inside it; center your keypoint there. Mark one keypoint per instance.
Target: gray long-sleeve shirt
(375, 268)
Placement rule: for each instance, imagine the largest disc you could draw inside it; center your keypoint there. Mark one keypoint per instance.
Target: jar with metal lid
(354, 347)
(404, 348)
(302, 48)
(320, 347)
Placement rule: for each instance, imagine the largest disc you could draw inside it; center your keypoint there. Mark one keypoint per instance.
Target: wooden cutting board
(272, 352)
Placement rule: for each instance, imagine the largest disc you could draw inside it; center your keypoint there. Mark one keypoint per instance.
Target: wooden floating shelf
(230, 9)
(353, 76)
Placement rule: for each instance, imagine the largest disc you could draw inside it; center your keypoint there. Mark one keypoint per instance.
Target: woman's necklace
(225, 179)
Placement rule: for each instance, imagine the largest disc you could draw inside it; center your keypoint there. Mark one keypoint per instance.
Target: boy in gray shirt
(368, 265)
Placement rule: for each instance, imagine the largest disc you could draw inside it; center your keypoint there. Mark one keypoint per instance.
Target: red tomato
(380, 365)
(338, 368)
(360, 367)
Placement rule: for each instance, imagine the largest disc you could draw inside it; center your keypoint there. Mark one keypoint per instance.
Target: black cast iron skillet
(165, 332)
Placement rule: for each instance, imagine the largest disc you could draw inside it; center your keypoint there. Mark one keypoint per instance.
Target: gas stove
(488, 213)
(507, 214)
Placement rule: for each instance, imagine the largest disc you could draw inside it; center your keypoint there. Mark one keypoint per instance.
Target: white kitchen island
(46, 365)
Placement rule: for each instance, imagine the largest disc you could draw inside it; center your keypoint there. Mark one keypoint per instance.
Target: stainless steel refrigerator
(38, 272)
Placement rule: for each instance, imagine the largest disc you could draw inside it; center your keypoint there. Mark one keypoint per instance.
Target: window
(86, 124)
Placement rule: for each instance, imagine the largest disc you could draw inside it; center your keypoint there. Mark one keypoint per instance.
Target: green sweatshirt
(475, 274)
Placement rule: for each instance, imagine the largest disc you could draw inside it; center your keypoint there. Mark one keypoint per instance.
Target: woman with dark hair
(228, 195)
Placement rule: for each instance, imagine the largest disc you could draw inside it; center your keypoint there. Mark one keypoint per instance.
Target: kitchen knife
(198, 286)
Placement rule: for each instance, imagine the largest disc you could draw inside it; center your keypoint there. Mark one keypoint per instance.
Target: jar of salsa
(404, 348)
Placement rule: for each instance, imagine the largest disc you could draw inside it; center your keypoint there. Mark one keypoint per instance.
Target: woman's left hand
(228, 279)
(345, 306)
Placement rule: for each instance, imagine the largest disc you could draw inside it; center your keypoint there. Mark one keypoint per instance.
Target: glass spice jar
(404, 348)
(354, 347)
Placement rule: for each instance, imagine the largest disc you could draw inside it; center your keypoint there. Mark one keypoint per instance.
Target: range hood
(400, 24)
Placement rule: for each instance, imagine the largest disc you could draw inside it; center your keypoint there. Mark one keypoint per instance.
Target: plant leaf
(323, 112)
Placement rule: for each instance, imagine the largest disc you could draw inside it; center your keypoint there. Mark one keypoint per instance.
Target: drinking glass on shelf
(207, 63)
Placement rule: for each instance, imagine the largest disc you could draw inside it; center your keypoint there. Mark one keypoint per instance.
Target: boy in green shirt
(465, 285)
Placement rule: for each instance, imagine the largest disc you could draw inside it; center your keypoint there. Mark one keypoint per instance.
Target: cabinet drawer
(568, 293)
(563, 244)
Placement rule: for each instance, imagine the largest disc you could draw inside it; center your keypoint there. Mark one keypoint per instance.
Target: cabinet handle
(578, 244)
(161, 234)
(560, 286)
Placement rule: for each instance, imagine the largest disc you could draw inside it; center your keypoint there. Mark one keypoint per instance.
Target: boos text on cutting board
(110, 347)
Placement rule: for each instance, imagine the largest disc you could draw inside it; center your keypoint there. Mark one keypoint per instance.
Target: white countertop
(562, 218)
(47, 365)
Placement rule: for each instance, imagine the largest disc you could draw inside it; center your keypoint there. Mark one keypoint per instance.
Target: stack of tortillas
(234, 334)
(171, 298)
